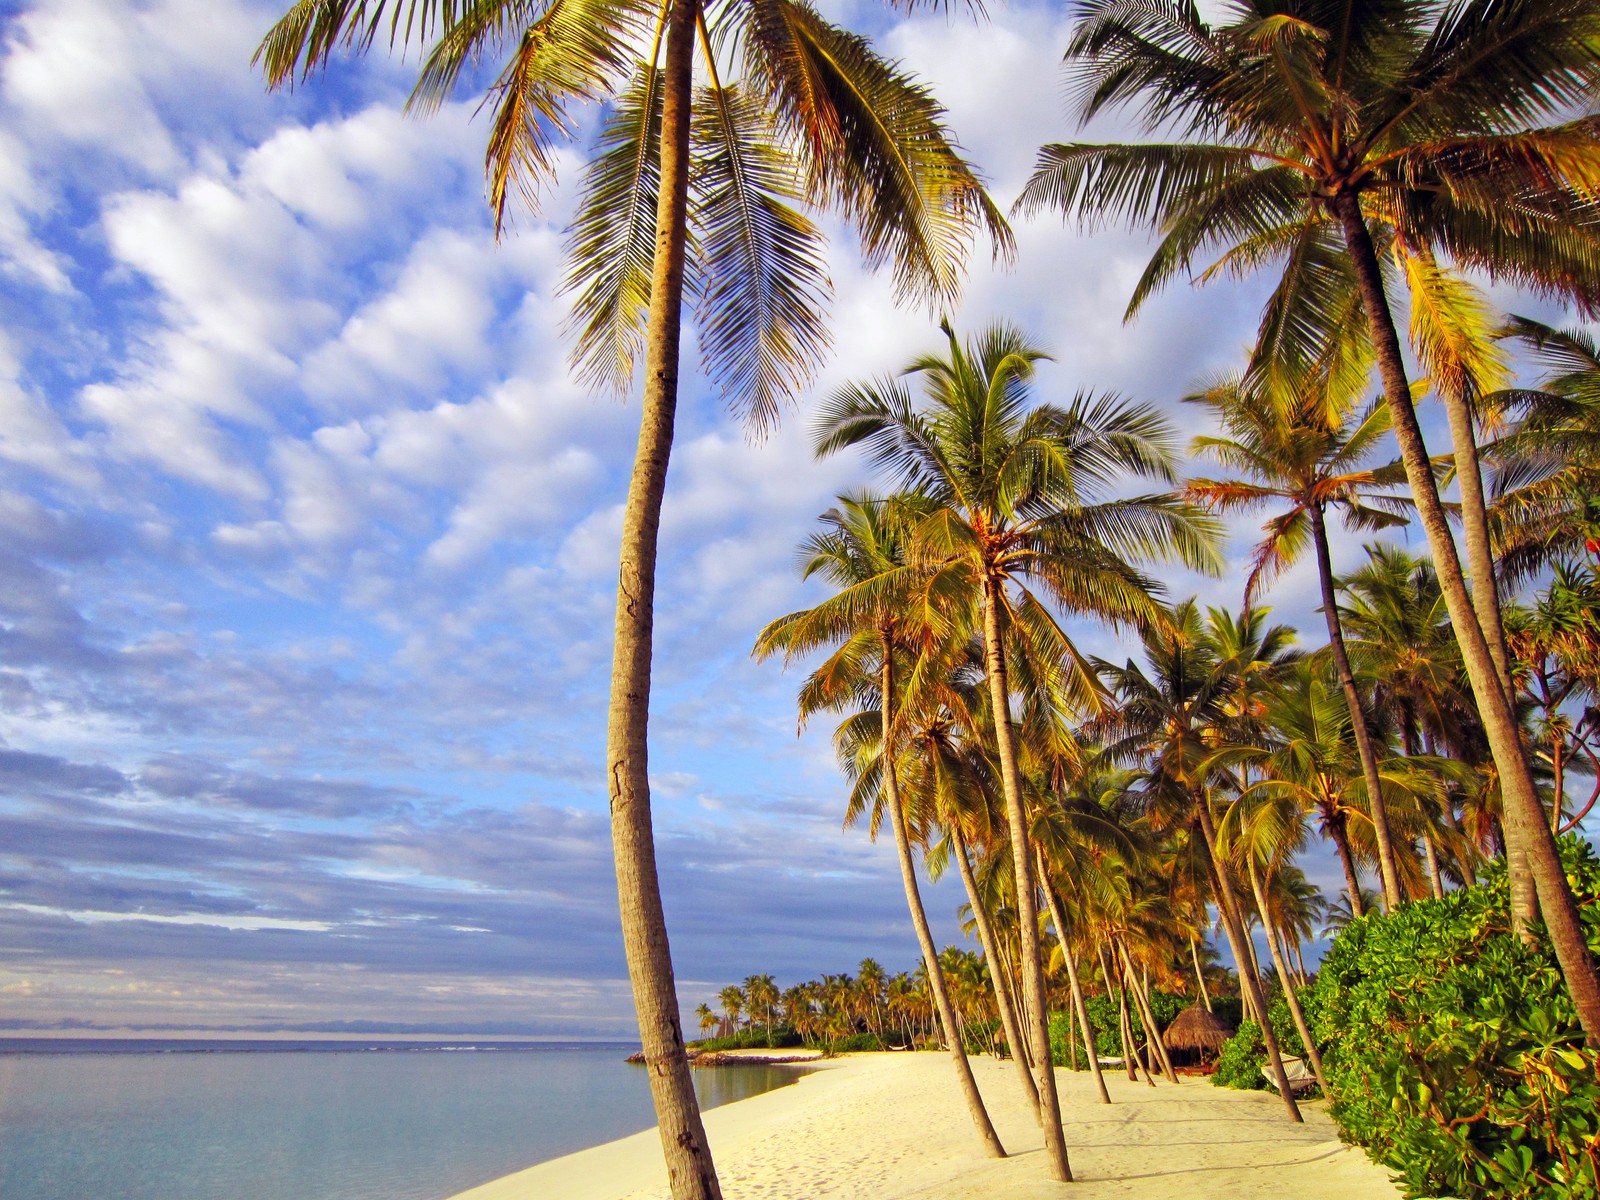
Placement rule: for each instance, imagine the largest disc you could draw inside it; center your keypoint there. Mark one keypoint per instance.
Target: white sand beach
(893, 1127)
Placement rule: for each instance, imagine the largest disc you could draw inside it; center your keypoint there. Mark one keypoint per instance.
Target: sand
(893, 1127)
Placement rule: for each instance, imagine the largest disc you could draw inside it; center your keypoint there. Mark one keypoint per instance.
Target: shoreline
(894, 1126)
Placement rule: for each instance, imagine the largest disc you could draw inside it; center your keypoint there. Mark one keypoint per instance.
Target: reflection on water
(317, 1125)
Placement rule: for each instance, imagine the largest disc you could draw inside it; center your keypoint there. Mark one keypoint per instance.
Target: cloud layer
(308, 544)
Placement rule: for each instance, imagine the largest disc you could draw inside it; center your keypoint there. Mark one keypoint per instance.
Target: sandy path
(893, 1127)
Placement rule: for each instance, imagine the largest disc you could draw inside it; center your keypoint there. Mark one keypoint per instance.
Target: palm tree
(1168, 722)
(1333, 129)
(1400, 637)
(809, 113)
(861, 550)
(1021, 494)
(707, 1018)
(1302, 454)
(733, 1004)
(761, 992)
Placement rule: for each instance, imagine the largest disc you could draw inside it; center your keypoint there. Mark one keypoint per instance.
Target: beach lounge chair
(1300, 1076)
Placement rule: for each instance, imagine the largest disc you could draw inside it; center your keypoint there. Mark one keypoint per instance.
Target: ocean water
(157, 1120)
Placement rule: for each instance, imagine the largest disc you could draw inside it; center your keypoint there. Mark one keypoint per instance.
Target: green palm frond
(762, 283)
(307, 36)
(578, 50)
(613, 239)
(878, 150)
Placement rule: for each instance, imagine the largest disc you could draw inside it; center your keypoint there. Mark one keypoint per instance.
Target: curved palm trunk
(1130, 1060)
(1524, 814)
(919, 918)
(1248, 979)
(1154, 1046)
(690, 1170)
(1486, 607)
(1347, 859)
(1085, 1027)
(1034, 1000)
(1358, 720)
(1199, 975)
(1002, 993)
(1313, 1055)
(1435, 878)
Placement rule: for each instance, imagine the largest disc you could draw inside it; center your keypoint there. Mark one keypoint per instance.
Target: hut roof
(1195, 1028)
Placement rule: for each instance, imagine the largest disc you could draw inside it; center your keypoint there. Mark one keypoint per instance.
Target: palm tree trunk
(1002, 993)
(919, 916)
(1249, 981)
(1147, 1016)
(1347, 859)
(1199, 975)
(1130, 1058)
(690, 1170)
(1085, 1027)
(1313, 1055)
(1523, 810)
(1431, 853)
(1358, 720)
(1486, 607)
(1027, 902)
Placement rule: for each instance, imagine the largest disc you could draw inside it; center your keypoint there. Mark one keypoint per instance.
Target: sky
(308, 548)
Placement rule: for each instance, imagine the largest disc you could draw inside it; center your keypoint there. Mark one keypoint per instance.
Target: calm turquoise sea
(364, 1120)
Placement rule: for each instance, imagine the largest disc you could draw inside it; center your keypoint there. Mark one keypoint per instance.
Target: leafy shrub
(1453, 1048)
(1244, 1054)
(751, 1039)
(1103, 1015)
(1239, 1064)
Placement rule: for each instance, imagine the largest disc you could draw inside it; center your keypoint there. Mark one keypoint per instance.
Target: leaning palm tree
(1400, 638)
(1303, 454)
(1023, 512)
(693, 190)
(873, 625)
(1330, 129)
(1169, 719)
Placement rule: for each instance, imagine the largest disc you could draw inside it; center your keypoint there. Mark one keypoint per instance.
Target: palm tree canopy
(1546, 468)
(1025, 493)
(795, 113)
(1450, 123)
(1297, 453)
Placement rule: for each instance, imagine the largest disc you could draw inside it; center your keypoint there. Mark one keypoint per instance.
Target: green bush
(1103, 1015)
(751, 1039)
(1244, 1054)
(1453, 1048)
(1239, 1064)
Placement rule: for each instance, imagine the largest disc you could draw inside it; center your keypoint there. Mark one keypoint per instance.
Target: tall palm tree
(1325, 129)
(805, 111)
(1303, 454)
(1401, 639)
(873, 626)
(1020, 495)
(1168, 722)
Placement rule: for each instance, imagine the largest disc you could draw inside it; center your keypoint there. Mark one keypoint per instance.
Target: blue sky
(308, 545)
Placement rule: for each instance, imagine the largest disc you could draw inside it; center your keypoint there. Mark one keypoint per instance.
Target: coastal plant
(1454, 1052)
(697, 193)
(1325, 134)
(1239, 1061)
(1103, 1015)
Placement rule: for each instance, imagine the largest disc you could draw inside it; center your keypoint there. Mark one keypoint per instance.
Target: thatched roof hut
(1196, 1029)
